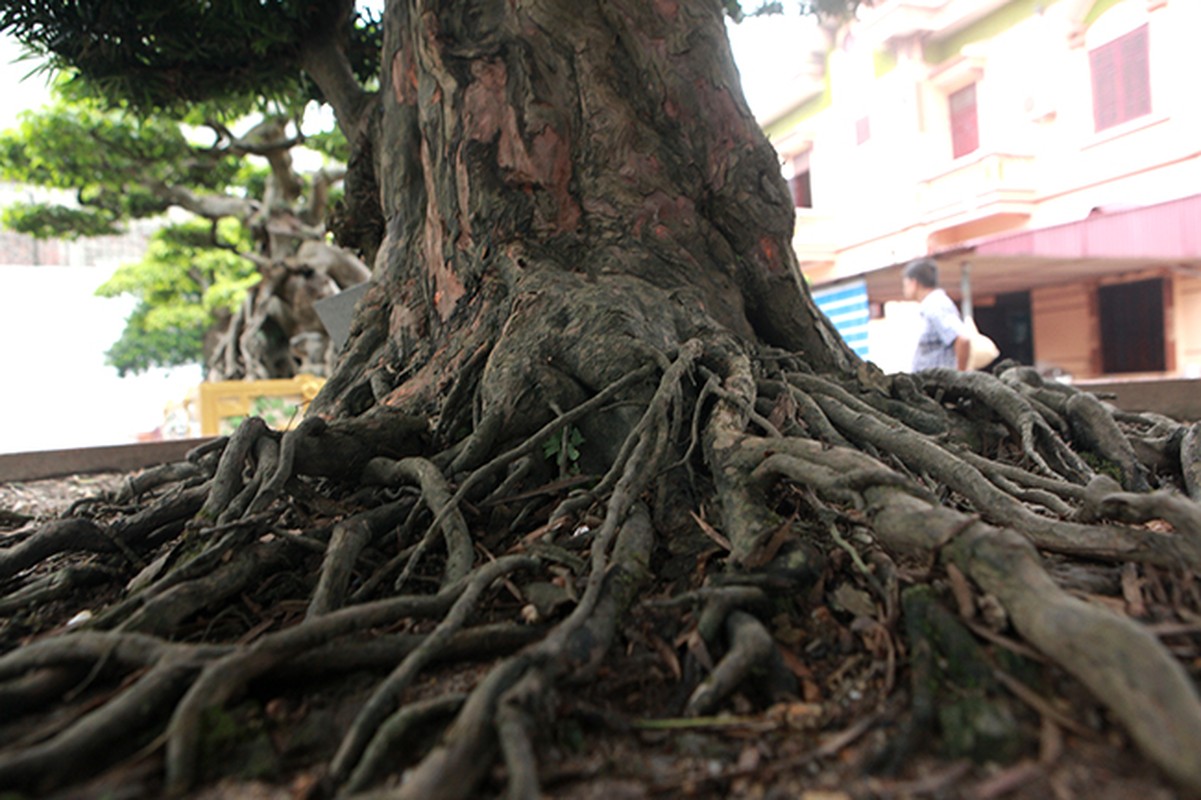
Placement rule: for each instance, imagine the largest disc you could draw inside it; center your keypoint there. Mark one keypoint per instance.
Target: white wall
(55, 390)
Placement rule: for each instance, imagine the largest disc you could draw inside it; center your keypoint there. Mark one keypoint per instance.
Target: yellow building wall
(1187, 319)
(1065, 328)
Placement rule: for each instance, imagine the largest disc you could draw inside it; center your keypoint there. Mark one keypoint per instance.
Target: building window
(863, 130)
(1121, 77)
(965, 132)
(799, 183)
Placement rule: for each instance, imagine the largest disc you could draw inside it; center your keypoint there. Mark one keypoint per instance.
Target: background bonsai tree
(587, 400)
(230, 283)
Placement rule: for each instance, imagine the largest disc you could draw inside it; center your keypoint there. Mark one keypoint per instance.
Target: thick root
(1124, 665)
(744, 504)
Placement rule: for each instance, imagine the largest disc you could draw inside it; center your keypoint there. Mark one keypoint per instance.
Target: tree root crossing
(412, 608)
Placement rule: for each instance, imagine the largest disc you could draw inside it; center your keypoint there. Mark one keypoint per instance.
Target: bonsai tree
(590, 454)
(232, 286)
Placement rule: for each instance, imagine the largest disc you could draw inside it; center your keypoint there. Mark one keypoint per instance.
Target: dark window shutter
(802, 189)
(965, 131)
(1121, 75)
(1136, 74)
(1105, 90)
(1132, 327)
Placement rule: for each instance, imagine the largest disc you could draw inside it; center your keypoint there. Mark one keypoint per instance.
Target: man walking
(944, 338)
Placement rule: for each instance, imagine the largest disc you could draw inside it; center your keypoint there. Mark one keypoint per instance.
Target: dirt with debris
(621, 738)
(22, 502)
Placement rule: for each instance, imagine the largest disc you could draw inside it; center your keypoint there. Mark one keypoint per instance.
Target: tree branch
(323, 179)
(327, 65)
(208, 206)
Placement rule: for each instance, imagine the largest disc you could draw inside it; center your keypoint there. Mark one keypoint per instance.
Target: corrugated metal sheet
(1169, 230)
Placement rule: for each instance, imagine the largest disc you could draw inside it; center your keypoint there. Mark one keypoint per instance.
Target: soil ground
(618, 737)
(45, 499)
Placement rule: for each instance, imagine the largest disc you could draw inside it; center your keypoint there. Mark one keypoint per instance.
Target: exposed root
(61, 584)
(382, 653)
(750, 649)
(384, 699)
(924, 456)
(227, 481)
(90, 742)
(273, 474)
(260, 563)
(140, 483)
(1190, 461)
(401, 724)
(454, 767)
(56, 537)
(349, 538)
(1124, 665)
(436, 492)
(1104, 501)
(810, 415)
(1095, 429)
(515, 729)
(1033, 431)
(164, 611)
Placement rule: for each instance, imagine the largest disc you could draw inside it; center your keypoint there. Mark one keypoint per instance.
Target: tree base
(352, 607)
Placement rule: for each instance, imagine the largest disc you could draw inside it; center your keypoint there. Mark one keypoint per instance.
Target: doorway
(1132, 326)
(1007, 323)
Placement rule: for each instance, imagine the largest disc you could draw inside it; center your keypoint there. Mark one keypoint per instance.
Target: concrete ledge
(1179, 398)
(40, 464)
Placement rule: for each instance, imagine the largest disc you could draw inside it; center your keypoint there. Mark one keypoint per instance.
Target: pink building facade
(1046, 154)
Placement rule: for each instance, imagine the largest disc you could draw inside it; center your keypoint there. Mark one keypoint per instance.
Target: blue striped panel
(846, 307)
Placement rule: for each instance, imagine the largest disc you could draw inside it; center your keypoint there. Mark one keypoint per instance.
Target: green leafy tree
(229, 287)
(580, 227)
(188, 286)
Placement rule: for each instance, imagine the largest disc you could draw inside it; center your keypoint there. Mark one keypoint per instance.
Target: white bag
(983, 349)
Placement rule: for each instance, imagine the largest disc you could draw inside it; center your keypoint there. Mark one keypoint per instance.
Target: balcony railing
(814, 238)
(979, 187)
(895, 19)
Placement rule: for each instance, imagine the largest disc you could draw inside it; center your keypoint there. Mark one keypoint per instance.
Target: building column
(965, 291)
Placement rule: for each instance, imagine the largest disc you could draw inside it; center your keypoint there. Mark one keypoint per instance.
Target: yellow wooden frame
(224, 399)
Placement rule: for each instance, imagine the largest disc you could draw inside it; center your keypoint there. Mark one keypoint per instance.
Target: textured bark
(565, 186)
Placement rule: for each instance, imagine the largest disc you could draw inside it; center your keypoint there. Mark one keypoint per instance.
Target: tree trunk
(566, 186)
(588, 398)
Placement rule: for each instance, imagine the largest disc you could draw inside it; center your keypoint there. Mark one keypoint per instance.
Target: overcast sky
(56, 390)
(766, 49)
(21, 91)
(771, 52)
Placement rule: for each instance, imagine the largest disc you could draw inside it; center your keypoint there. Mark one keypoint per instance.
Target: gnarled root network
(443, 597)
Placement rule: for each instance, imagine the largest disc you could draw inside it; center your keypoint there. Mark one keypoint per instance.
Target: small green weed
(278, 412)
(564, 448)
